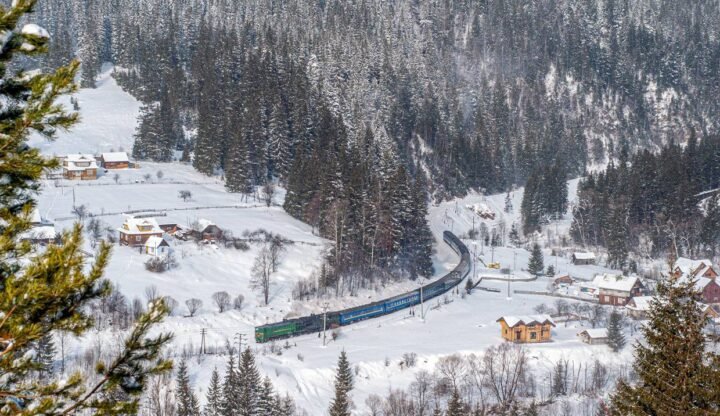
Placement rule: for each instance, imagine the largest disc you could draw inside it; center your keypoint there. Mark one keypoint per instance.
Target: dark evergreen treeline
(464, 94)
(650, 202)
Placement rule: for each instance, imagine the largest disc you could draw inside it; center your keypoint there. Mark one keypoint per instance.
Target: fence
(554, 295)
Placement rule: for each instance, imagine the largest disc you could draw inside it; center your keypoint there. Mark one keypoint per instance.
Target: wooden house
(639, 306)
(206, 230)
(563, 280)
(157, 246)
(79, 167)
(694, 268)
(526, 329)
(41, 232)
(115, 160)
(594, 336)
(136, 231)
(617, 290)
(581, 259)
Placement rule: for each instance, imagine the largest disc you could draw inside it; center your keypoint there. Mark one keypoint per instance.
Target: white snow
(31, 29)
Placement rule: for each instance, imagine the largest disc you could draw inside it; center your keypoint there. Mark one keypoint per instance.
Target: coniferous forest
(364, 110)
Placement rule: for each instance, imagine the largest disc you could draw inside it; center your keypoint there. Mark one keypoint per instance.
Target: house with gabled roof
(526, 328)
(617, 290)
(79, 167)
(708, 289)
(694, 268)
(157, 246)
(581, 258)
(594, 336)
(135, 232)
(115, 160)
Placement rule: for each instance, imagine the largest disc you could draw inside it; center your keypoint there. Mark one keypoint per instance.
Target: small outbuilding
(526, 329)
(563, 280)
(639, 306)
(206, 230)
(115, 160)
(594, 336)
(581, 259)
(157, 246)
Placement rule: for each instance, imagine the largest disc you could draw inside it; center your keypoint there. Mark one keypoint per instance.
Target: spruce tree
(214, 404)
(341, 404)
(455, 405)
(249, 385)
(52, 291)
(230, 390)
(616, 339)
(535, 264)
(186, 402)
(676, 375)
(266, 404)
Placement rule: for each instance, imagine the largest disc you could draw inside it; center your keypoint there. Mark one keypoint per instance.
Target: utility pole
(325, 308)
(203, 331)
(475, 261)
(239, 337)
(422, 307)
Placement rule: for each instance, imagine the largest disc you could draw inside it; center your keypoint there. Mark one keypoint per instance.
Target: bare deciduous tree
(116, 178)
(268, 192)
(185, 195)
(505, 367)
(222, 300)
(262, 272)
(171, 303)
(238, 302)
(277, 247)
(193, 305)
(151, 293)
(81, 212)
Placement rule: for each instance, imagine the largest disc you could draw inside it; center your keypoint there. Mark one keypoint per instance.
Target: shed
(594, 336)
(157, 246)
(581, 258)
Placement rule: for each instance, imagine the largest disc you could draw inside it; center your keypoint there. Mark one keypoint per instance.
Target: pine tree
(455, 405)
(249, 385)
(230, 390)
(341, 404)
(508, 203)
(676, 375)
(214, 404)
(52, 291)
(266, 401)
(535, 264)
(616, 339)
(186, 402)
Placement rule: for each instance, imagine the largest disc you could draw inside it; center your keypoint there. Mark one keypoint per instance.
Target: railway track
(314, 323)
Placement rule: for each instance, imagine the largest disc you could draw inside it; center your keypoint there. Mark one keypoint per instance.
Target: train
(314, 323)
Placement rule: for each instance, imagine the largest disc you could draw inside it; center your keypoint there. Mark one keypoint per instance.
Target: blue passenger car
(403, 301)
(358, 314)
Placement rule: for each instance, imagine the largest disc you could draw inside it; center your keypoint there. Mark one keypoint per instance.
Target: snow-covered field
(305, 370)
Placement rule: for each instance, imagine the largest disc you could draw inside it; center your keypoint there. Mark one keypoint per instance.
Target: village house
(115, 160)
(594, 336)
(526, 329)
(708, 289)
(639, 306)
(694, 268)
(617, 290)
(157, 246)
(41, 231)
(79, 167)
(581, 259)
(206, 230)
(563, 280)
(136, 231)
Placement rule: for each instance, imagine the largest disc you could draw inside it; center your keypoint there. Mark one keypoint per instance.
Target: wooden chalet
(135, 232)
(617, 290)
(79, 167)
(526, 329)
(206, 230)
(115, 160)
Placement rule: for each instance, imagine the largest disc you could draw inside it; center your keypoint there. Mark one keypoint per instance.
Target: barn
(115, 160)
(581, 259)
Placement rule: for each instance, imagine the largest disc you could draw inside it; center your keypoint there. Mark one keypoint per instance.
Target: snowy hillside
(465, 324)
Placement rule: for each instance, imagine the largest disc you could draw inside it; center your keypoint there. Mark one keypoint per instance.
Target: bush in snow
(171, 303)
(238, 302)
(410, 359)
(193, 305)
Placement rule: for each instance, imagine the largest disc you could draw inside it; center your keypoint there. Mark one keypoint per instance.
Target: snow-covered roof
(35, 217)
(693, 267)
(74, 159)
(700, 282)
(615, 282)
(155, 241)
(640, 303)
(203, 224)
(595, 333)
(513, 321)
(584, 256)
(134, 225)
(43, 232)
(115, 157)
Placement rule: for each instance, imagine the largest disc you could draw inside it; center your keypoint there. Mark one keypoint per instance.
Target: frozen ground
(305, 370)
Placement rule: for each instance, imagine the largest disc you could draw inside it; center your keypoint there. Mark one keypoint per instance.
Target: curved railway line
(314, 323)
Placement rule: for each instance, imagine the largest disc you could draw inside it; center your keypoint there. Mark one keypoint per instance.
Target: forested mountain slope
(353, 104)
